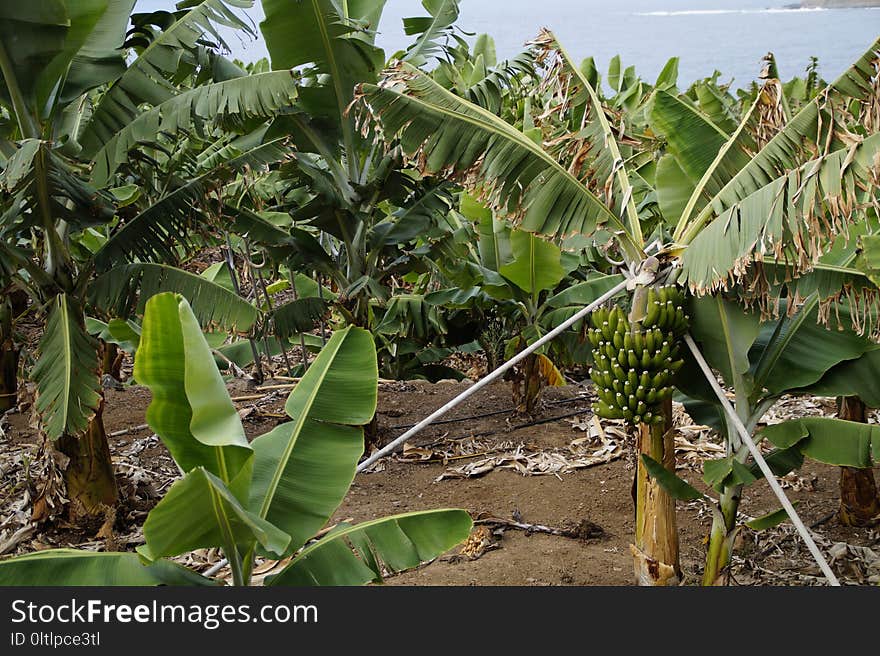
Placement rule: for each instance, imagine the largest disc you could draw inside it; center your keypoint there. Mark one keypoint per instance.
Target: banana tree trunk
(13, 304)
(655, 552)
(724, 529)
(91, 485)
(528, 383)
(859, 501)
(8, 375)
(111, 360)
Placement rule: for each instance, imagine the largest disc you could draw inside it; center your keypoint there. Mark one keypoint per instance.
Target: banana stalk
(721, 538)
(655, 551)
(724, 528)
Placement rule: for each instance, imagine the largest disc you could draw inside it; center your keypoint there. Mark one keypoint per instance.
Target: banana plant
(79, 111)
(370, 212)
(547, 181)
(764, 193)
(269, 497)
(760, 362)
(349, 184)
(415, 338)
(525, 282)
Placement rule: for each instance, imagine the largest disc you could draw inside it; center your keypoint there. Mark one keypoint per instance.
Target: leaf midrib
(347, 135)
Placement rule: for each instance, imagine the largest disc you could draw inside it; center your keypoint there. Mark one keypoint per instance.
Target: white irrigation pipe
(476, 387)
(762, 464)
(216, 567)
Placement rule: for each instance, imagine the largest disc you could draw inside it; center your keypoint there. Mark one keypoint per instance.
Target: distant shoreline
(836, 4)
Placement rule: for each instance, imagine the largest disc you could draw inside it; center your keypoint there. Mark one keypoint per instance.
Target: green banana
(614, 319)
(631, 359)
(649, 341)
(607, 411)
(632, 377)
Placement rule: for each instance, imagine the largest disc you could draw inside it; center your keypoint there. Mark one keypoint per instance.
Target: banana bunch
(666, 310)
(633, 368)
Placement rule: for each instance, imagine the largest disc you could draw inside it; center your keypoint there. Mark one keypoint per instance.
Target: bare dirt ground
(551, 495)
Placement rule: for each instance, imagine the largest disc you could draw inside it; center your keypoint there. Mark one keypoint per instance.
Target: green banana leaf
(832, 441)
(329, 39)
(771, 519)
(676, 487)
(399, 542)
(199, 511)
(72, 567)
(191, 410)
(692, 138)
(673, 189)
(797, 350)
(725, 332)
(303, 468)
(859, 377)
(536, 263)
(66, 373)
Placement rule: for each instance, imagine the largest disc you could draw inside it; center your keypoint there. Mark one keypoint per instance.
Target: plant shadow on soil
(597, 497)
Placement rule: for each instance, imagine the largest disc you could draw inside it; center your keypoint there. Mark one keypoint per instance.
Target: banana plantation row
(418, 204)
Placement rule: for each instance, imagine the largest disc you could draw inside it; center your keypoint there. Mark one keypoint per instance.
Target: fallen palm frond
(581, 453)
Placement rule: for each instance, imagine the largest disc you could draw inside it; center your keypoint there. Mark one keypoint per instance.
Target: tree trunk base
(717, 572)
(91, 484)
(111, 360)
(859, 501)
(655, 552)
(650, 572)
(8, 378)
(527, 385)
(371, 435)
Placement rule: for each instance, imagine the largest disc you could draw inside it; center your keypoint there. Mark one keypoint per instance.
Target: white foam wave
(716, 12)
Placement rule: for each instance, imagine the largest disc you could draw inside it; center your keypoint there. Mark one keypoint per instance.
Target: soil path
(593, 503)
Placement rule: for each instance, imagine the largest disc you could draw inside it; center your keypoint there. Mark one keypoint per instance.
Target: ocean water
(728, 35)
